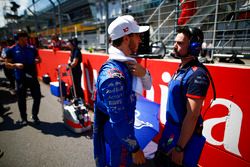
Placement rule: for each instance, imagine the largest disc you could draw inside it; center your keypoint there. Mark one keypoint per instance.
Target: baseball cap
(124, 25)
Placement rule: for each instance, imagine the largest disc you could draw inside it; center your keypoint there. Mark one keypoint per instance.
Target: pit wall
(226, 122)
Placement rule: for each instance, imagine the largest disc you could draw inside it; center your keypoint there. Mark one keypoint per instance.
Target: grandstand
(225, 23)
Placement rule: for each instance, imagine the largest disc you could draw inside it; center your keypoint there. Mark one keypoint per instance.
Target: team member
(118, 81)
(187, 91)
(23, 59)
(74, 63)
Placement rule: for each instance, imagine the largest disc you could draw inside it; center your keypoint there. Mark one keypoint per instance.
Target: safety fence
(225, 23)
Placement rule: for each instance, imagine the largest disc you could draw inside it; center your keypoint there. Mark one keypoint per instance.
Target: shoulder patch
(194, 68)
(114, 72)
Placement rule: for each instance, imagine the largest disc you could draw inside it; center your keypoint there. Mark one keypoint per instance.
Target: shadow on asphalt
(48, 128)
(56, 128)
(8, 123)
(7, 97)
(59, 129)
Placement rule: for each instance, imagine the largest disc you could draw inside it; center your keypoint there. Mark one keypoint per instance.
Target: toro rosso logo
(125, 29)
(139, 123)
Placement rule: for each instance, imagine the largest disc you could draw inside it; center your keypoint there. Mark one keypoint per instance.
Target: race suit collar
(118, 55)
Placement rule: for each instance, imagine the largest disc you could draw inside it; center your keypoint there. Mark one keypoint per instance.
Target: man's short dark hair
(74, 41)
(22, 33)
(117, 42)
(185, 30)
(193, 33)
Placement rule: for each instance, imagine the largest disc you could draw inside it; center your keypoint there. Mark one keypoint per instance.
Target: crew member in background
(118, 81)
(56, 43)
(23, 59)
(74, 63)
(9, 73)
(188, 9)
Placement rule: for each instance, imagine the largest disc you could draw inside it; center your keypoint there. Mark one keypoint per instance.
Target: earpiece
(196, 41)
(194, 48)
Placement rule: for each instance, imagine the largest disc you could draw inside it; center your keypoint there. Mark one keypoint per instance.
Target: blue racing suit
(114, 116)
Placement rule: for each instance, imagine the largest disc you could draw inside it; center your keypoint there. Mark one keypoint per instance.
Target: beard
(176, 54)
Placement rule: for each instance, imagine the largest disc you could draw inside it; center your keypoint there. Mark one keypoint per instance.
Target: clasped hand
(176, 157)
(138, 157)
(136, 69)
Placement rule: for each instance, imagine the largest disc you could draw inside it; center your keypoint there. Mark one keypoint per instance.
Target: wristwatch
(178, 148)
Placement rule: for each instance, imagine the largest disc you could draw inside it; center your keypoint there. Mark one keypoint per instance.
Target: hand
(37, 61)
(136, 69)
(2, 59)
(138, 157)
(19, 65)
(68, 67)
(176, 157)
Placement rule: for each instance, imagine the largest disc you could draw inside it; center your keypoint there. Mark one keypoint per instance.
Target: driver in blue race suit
(120, 79)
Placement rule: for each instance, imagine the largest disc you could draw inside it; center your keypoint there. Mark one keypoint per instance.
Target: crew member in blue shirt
(187, 91)
(23, 58)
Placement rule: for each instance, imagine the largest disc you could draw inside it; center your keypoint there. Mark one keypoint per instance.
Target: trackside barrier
(226, 125)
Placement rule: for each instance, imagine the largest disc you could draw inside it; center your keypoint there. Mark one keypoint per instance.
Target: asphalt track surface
(49, 144)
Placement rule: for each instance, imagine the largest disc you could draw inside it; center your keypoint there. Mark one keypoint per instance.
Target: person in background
(116, 88)
(56, 43)
(3, 46)
(188, 9)
(74, 63)
(203, 56)
(23, 59)
(244, 9)
(1, 153)
(187, 91)
(9, 73)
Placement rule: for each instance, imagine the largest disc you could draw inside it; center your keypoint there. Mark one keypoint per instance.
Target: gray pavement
(49, 144)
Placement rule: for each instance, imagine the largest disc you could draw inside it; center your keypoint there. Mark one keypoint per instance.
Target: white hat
(124, 25)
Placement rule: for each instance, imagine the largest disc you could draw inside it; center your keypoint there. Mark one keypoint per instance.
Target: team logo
(125, 29)
(139, 123)
(171, 139)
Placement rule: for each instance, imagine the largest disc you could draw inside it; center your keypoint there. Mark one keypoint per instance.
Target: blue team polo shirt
(25, 55)
(190, 81)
